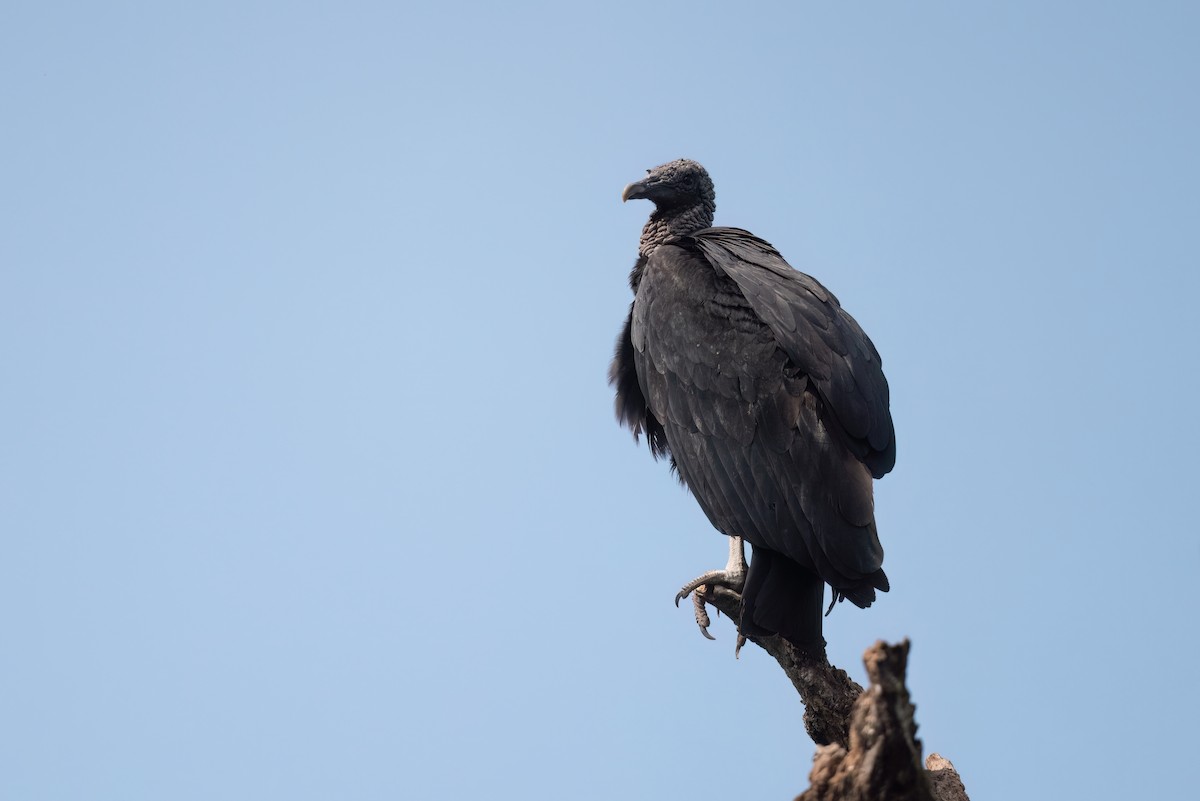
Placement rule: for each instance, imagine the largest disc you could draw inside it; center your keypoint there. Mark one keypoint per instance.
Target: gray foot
(733, 577)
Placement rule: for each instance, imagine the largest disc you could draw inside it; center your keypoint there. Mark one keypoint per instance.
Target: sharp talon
(702, 619)
(832, 601)
(703, 587)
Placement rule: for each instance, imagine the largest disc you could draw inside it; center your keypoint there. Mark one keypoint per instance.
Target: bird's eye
(689, 181)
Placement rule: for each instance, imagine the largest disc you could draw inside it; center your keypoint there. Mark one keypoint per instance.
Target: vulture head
(680, 184)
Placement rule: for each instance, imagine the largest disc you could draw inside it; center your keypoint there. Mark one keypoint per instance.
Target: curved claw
(702, 619)
(732, 577)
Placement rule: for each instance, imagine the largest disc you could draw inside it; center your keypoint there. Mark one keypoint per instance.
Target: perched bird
(769, 400)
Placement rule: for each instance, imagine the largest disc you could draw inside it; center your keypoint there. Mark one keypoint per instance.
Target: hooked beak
(636, 190)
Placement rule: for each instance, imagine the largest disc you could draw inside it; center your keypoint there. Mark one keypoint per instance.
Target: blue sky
(309, 476)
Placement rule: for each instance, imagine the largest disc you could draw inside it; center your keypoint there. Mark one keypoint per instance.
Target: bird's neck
(664, 224)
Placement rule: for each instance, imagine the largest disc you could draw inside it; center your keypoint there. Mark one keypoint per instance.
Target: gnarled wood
(867, 746)
(827, 691)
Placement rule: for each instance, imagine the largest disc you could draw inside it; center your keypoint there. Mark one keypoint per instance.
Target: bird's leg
(732, 577)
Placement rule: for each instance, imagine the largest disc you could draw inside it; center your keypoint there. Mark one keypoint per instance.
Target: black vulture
(769, 400)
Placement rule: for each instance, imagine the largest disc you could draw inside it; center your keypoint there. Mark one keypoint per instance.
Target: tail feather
(781, 597)
(863, 595)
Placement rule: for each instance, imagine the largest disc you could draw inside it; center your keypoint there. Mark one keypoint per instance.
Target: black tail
(781, 597)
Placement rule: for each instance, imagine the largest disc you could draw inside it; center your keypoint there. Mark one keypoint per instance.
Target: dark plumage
(767, 397)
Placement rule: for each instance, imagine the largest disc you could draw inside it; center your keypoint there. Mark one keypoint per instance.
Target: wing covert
(820, 337)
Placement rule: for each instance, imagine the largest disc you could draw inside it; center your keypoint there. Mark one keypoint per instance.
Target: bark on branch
(867, 746)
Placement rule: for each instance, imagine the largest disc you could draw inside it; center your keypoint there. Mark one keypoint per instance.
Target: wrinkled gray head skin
(676, 184)
(684, 201)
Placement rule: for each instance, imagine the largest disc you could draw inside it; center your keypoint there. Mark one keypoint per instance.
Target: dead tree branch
(867, 746)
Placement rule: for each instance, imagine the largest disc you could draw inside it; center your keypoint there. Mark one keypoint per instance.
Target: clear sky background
(309, 478)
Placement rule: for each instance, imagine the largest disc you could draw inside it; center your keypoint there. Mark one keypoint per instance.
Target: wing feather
(821, 339)
(749, 424)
